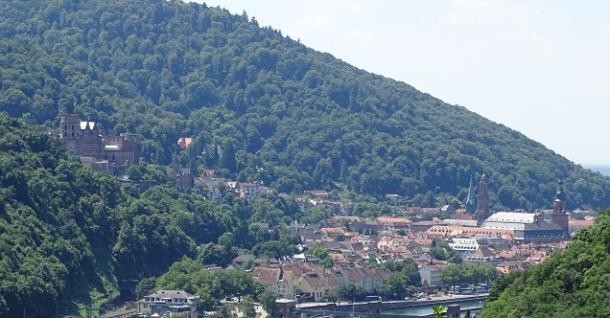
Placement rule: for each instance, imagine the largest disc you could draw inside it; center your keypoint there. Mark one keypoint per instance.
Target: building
(184, 142)
(249, 190)
(535, 227)
(579, 224)
(482, 211)
(464, 244)
(275, 279)
(559, 216)
(481, 255)
(430, 275)
(286, 308)
(103, 151)
(315, 285)
(530, 227)
(392, 222)
(184, 178)
(175, 303)
(446, 232)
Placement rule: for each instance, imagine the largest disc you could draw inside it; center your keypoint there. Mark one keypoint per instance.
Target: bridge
(390, 309)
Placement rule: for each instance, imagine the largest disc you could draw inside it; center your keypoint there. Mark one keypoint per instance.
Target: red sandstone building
(104, 152)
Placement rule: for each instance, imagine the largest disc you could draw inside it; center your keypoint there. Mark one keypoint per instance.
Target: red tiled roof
(393, 220)
(267, 276)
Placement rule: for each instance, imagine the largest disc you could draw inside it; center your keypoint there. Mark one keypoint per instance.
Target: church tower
(482, 212)
(559, 216)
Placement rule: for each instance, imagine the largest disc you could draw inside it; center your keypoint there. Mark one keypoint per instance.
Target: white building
(464, 244)
(176, 303)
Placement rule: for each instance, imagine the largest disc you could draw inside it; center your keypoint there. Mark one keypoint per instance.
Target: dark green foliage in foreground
(571, 284)
(262, 106)
(65, 230)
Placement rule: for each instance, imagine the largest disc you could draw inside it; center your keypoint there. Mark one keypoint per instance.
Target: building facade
(174, 303)
(105, 152)
(482, 211)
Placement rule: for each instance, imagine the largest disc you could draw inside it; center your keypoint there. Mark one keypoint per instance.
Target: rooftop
(163, 293)
(516, 217)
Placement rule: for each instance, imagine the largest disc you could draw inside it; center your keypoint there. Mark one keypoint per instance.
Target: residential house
(249, 190)
(276, 280)
(184, 142)
(315, 285)
(430, 275)
(176, 303)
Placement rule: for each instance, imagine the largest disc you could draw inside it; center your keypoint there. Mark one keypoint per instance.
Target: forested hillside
(262, 106)
(571, 284)
(70, 238)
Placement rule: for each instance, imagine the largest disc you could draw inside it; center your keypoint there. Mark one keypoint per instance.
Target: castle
(104, 151)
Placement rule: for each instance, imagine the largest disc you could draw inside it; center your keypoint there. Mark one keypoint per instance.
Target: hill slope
(262, 106)
(571, 284)
(70, 237)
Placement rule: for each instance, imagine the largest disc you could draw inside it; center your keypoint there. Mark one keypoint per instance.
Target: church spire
(560, 217)
(559, 206)
(482, 212)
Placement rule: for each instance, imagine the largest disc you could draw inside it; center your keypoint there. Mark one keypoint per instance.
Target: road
(423, 300)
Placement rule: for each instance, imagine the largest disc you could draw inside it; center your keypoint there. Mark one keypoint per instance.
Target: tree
(323, 254)
(402, 281)
(145, 287)
(267, 299)
(351, 292)
(459, 274)
(439, 311)
(439, 253)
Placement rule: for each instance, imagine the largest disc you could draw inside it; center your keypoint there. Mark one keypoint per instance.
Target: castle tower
(482, 212)
(90, 140)
(69, 131)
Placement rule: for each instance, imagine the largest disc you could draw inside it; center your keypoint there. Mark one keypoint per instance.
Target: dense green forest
(571, 284)
(262, 106)
(71, 238)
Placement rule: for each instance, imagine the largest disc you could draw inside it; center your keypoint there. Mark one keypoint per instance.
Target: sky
(540, 67)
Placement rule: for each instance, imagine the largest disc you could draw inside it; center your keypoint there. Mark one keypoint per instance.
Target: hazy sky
(540, 67)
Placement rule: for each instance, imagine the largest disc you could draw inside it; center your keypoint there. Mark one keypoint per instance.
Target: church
(543, 226)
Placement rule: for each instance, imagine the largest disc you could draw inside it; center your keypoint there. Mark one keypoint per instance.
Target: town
(342, 256)
(355, 247)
